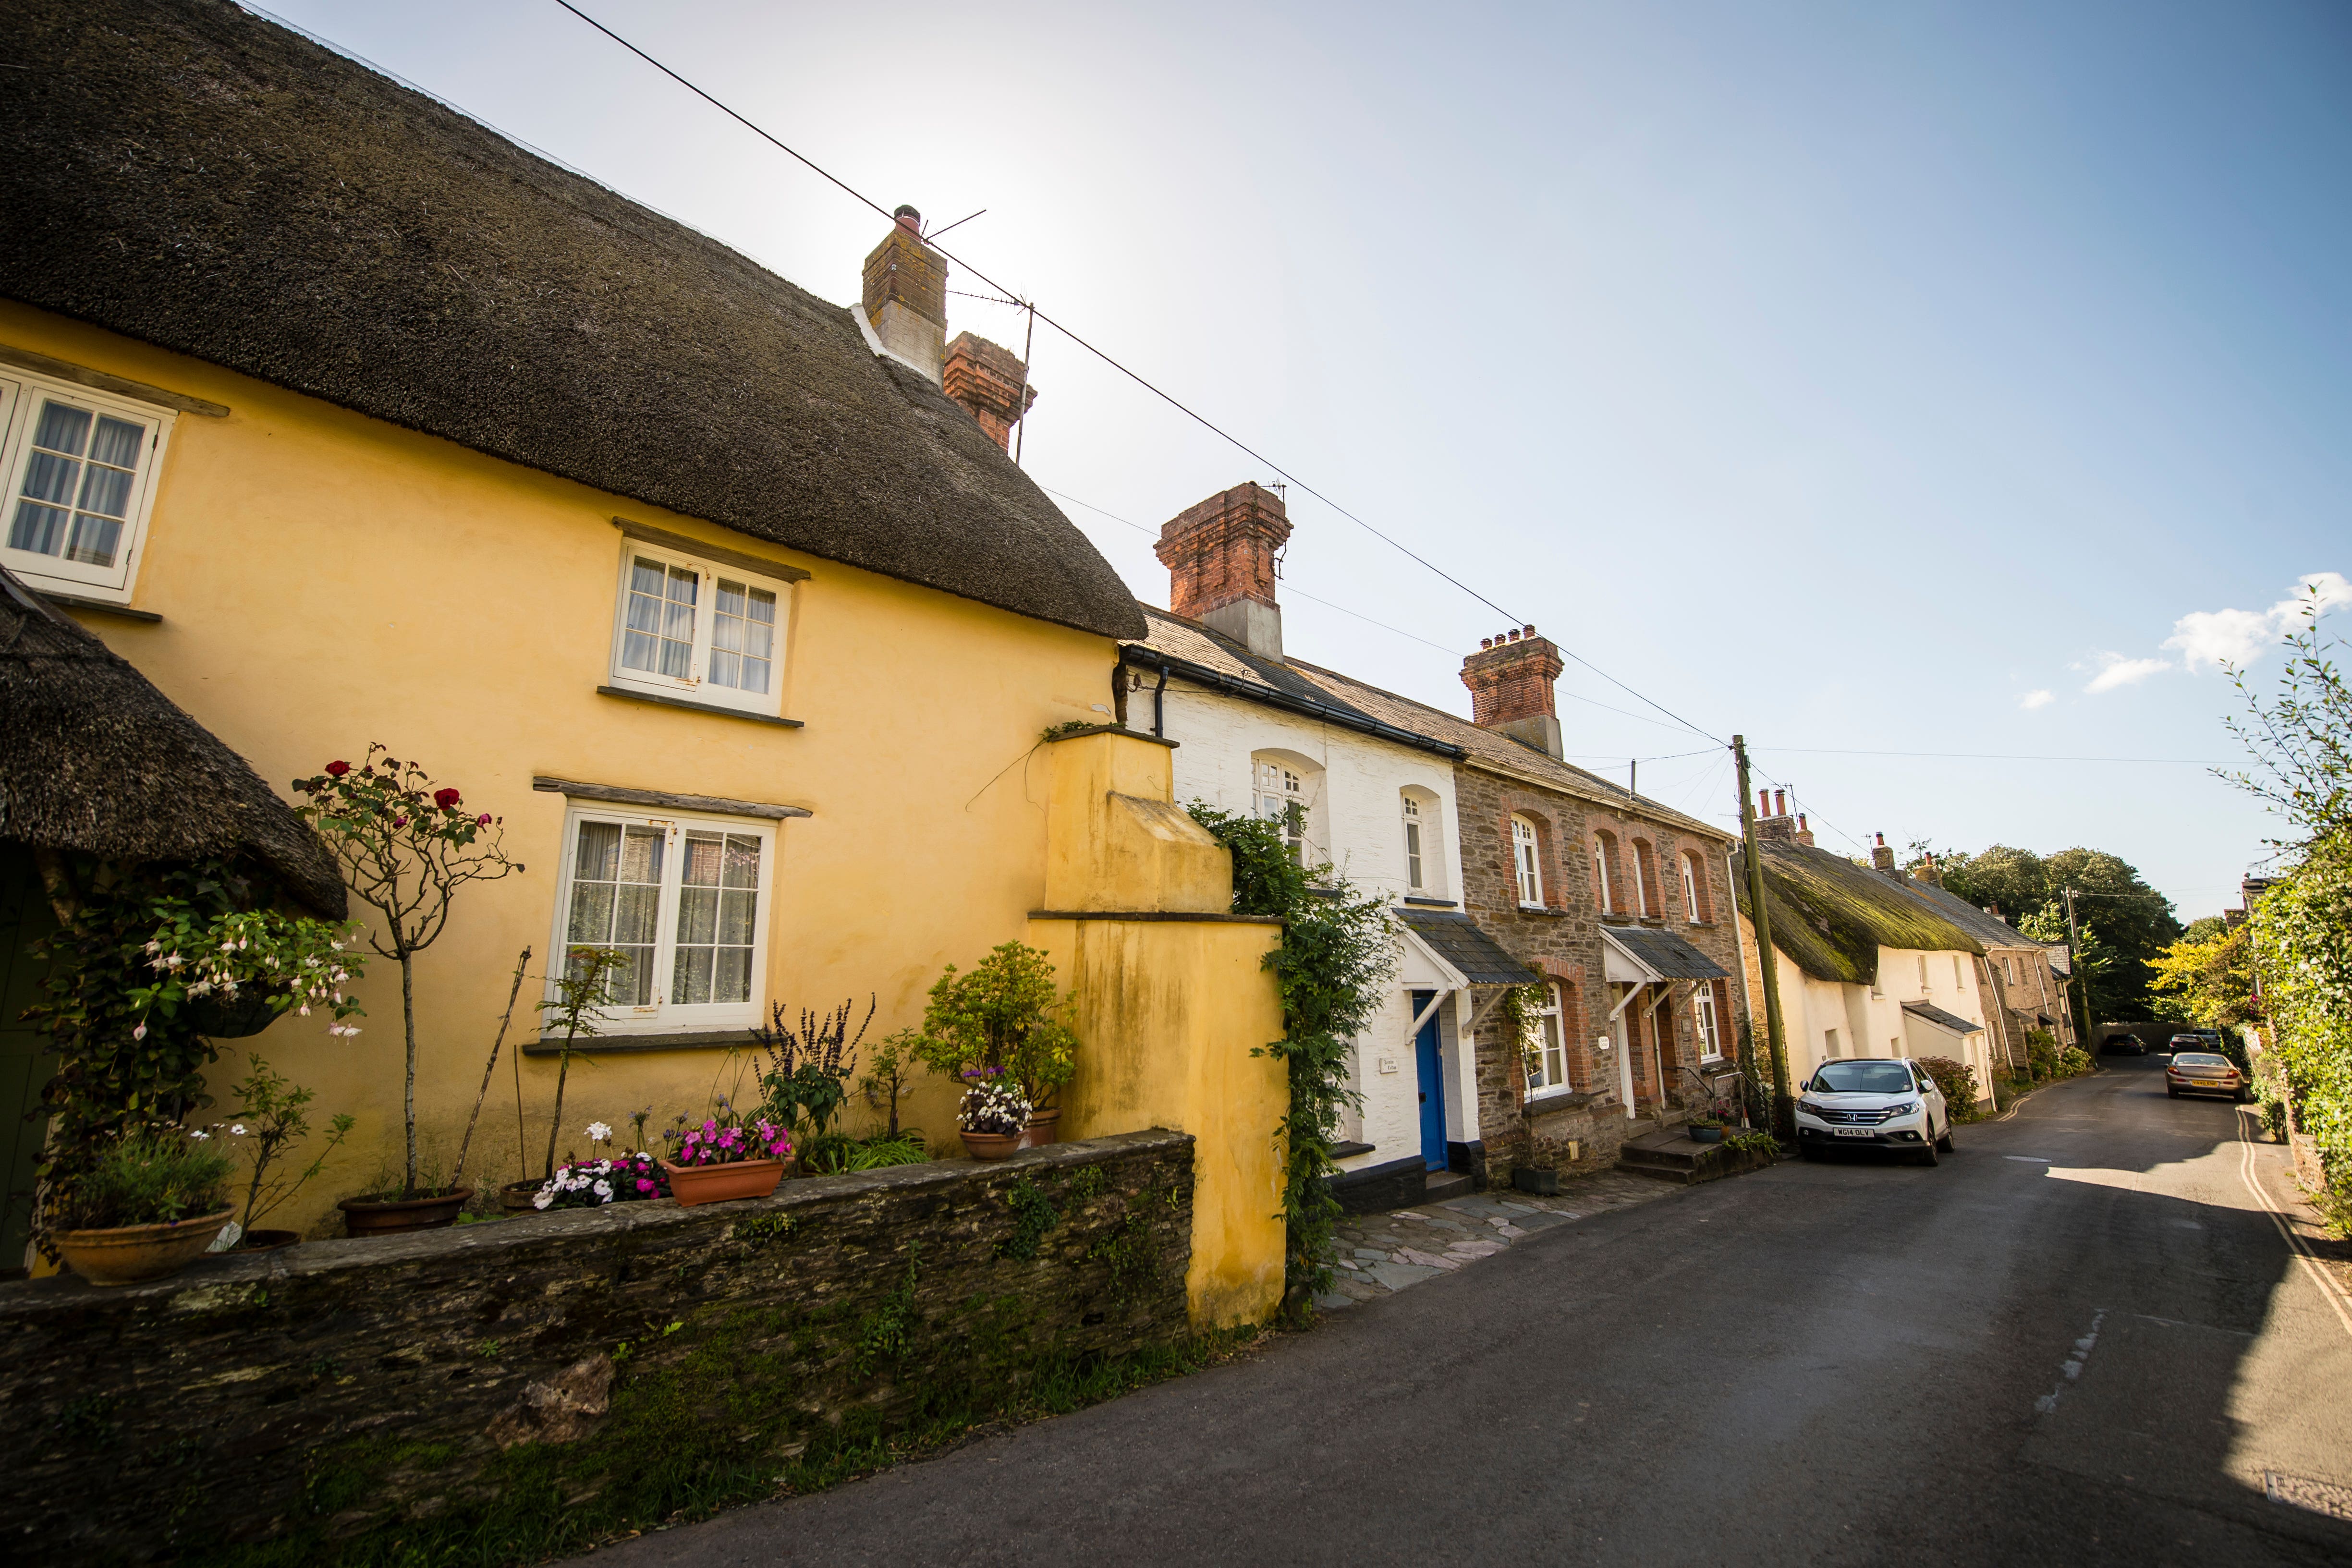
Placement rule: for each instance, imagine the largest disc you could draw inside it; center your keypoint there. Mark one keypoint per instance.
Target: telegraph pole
(2082, 975)
(1784, 1116)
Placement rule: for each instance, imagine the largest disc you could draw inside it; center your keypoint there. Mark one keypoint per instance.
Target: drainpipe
(1158, 696)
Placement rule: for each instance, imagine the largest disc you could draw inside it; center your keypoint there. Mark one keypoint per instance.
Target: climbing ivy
(1033, 1214)
(1337, 953)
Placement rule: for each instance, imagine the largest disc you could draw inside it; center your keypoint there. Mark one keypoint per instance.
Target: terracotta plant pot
(398, 1215)
(515, 1195)
(691, 1185)
(128, 1254)
(1044, 1127)
(992, 1145)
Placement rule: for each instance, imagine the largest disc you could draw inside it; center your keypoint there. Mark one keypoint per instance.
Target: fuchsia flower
(483, 820)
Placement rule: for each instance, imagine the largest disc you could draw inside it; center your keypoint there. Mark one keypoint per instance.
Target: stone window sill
(692, 706)
(1544, 909)
(1549, 1100)
(611, 1045)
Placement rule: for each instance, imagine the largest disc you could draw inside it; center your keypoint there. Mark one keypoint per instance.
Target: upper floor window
(684, 901)
(1526, 862)
(1545, 1046)
(1424, 867)
(1601, 889)
(1703, 1022)
(1924, 984)
(1608, 884)
(687, 627)
(1280, 796)
(80, 470)
(2009, 968)
(1645, 878)
(1958, 983)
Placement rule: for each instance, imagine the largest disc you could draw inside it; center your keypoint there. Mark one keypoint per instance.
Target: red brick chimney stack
(906, 295)
(1773, 821)
(989, 380)
(1221, 556)
(1510, 679)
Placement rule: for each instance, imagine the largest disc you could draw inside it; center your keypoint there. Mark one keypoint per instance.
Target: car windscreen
(1863, 1078)
(2199, 1058)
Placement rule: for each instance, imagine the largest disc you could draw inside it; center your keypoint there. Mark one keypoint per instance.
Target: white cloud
(2032, 700)
(2115, 670)
(2219, 637)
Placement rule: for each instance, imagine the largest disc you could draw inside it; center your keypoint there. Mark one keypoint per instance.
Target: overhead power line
(1139, 379)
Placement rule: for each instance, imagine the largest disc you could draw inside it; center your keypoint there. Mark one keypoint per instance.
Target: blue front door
(1433, 1087)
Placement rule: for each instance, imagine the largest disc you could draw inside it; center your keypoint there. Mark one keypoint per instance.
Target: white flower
(542, 1200)
(139, 1033)
(237, 1127)
(305, 1010)
(605, 1190)
(598, 1132)
(154, 946)
(199, 1135)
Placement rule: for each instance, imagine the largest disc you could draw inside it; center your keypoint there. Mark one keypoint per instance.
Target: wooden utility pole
(1784, 1116)
(2082, 978)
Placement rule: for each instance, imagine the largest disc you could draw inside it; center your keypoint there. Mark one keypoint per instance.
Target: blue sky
(1865, 379)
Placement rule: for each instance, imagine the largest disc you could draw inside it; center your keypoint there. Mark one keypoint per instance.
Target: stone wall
(331, 1387)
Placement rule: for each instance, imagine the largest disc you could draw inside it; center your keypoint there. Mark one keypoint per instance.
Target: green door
(24, 918)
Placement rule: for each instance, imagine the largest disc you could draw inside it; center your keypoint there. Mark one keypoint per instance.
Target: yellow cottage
(346, 421)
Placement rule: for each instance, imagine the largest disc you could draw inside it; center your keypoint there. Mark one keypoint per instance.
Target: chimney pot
(908, 218)
(1220, 558)
(1510, 679)
(1779, 802)
(1763, 802)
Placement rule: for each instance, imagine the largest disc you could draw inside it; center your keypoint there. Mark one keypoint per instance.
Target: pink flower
(643, 1185)
(400, 821)
(483, 820)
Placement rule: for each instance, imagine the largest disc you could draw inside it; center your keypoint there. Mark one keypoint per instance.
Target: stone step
(1445, 1185)
(1660, 1166)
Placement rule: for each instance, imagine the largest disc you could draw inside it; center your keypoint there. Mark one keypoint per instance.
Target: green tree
(2206, 978)
(2136, 922)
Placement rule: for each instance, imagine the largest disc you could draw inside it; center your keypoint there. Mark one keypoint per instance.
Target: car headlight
(1813, 1109)
(1908, 1108)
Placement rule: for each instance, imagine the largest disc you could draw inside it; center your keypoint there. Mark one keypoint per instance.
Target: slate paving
(1381, 1254)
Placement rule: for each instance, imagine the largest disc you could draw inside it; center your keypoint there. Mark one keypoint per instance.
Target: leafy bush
(1752, 1143)
(1001, 1018)
(1957, 1081)
(150, 1176)
(2040, 1053)
(2073, 1061)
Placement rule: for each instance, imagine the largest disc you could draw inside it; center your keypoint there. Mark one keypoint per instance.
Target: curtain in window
(743, 636)
(717, 907)
(616, 876)
(658, 636)
(77, 480)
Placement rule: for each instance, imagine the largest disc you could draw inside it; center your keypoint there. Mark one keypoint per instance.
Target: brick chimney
(1220, 557)
(1881, 857)
(1927, 871)
(1510, 679)
(992, 383)
(905, 299)
(1773, 821)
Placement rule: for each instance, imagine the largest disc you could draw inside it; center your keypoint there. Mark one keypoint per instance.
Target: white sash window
(1710, 1043)
(1281, 797)
(80, 470)
(1526, 862)
(1547, 1045)
(685, 901)
(1412, 873)
(689, 629)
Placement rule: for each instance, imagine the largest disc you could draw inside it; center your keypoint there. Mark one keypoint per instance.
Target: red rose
(337, 770)
(444, 798)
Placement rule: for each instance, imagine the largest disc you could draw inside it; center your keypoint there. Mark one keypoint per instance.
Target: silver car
(1874, 1102)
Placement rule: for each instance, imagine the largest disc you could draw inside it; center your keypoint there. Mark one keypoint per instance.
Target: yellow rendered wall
(327, 580)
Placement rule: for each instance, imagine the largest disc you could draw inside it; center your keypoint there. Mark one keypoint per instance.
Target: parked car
(2123, 1045)
(1874, 1102)
(2203, 1073)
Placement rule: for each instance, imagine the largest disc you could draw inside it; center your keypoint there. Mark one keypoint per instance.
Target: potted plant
(1706, 1129)
(1003, 1019)
(271, 1118)
(809, 1068)
(730, 1155)
(405, 847)
(601, 1179)
(993, 1118)
(237, 974)
(151, 1202)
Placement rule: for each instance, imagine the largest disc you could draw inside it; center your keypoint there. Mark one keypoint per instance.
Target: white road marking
(2028, 1159)
(2328, 1290)
(2071, 1367)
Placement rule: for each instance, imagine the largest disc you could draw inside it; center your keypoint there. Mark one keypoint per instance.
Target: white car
(1874, 1102)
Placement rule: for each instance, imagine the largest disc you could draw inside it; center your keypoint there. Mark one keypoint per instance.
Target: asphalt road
(2079, 1340)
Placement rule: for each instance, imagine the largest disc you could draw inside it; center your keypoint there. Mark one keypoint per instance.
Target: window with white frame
(687, 627)
(80, 474)
(1416, 877)
(1924, 985)
(1526, 862)
(1640, 877)
(1546, 1043)
(1279, 795)
(1958, 984)
(684, 901)
(1601, 892)
(1710, 1043)
(1690, 889)
(2009, 968)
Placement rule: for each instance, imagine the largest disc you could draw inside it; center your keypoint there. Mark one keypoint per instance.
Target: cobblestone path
(1381, 1254)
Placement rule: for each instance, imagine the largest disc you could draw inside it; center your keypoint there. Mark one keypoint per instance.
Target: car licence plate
(1856, 1132)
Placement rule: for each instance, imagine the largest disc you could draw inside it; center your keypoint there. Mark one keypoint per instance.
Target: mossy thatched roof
(93, 757)
(187, 174)
(1832, 916)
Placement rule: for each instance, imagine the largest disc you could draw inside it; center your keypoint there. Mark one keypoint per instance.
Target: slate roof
(1434, 727)
(1831, 916)
(1453, 938)
(1208, 657)
(1664, 953)
(94, 758)
(1942, 1019)
(183, 172)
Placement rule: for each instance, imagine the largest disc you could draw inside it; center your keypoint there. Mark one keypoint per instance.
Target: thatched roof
(185, 173)
(1832, 916)
(93, 757)
(1990, 929)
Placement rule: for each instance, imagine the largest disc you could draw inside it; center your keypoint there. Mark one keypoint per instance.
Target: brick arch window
(1527, 861)
(1697, 908)
(1645, 878)
(1608, 884)
(1545, 1046)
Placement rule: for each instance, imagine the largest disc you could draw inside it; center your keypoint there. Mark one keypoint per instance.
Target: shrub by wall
(501, 1392)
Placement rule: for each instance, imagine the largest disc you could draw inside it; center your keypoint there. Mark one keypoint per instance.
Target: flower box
(723, 1183)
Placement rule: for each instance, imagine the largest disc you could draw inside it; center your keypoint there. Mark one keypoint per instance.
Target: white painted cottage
(1256, 733)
